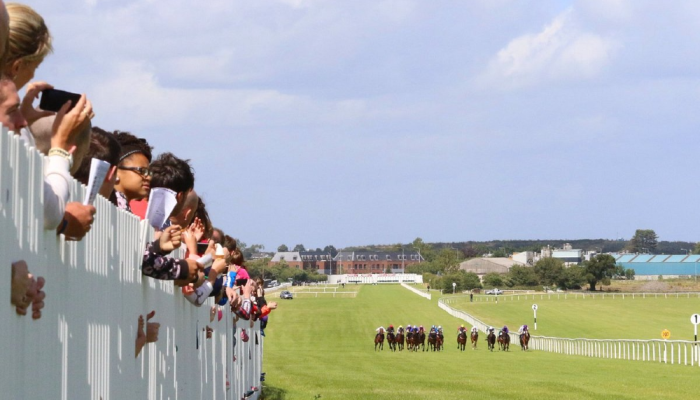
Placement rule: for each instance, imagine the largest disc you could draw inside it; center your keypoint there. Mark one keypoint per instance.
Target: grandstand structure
(651, 266)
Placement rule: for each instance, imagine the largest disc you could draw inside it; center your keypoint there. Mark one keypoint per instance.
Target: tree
(493, 279)
(283, 247)
(629, 274)
(469, 251)
(522, 276)
(448, 260)
(330, 249)
(600, 269)
(549, 270)
(644, 241)
(299, 247)
(572, 277)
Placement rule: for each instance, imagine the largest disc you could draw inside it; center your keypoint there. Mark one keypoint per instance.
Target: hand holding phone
(54, 99)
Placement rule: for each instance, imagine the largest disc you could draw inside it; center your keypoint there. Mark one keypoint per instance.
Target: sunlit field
(323, 348)
(596, 317)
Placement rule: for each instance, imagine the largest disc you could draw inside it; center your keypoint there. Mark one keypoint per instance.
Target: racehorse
(524, 340)
(419, 340)
(410, 338)
(491, 340)
(399, 340)
(503, 341)
(391, 339)
(440, 340)
(474, 338)
(432, 340)
(379, 340)
(461, 340)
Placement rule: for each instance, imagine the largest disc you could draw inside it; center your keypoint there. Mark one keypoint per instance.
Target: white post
(534, 308)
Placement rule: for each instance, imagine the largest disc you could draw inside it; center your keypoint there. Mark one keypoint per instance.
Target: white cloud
(561, 51)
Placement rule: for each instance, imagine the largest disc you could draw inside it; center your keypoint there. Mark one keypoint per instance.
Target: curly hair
(131, 145)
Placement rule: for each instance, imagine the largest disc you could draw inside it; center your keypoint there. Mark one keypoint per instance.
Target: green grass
(590, 317)
(324, 346)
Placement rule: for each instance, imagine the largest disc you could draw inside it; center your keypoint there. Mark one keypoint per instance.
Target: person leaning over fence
(103, 146)
(78, 217)
(65, 129)
(133, 171)
(29, 43)
(175, 174)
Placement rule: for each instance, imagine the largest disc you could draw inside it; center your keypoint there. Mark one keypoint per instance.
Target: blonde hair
(29, 39)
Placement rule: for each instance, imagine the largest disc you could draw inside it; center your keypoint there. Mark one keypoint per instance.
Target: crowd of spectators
(213, 266)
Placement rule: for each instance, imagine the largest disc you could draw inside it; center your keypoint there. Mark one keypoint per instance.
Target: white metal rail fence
(418, 292)
(83, 345)
(666, 351)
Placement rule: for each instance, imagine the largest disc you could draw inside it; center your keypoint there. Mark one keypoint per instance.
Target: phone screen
(53, 99)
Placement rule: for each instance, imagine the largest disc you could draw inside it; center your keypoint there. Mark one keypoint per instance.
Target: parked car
(494, 291)
(286, 294)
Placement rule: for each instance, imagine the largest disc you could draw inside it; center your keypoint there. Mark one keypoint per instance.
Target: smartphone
(53, 99)
(202, 248)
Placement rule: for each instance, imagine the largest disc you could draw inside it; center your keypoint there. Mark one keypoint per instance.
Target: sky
(378, 121)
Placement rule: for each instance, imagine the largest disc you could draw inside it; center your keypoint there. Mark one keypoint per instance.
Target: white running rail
(83, 345)
(418, 292)
(680, 352)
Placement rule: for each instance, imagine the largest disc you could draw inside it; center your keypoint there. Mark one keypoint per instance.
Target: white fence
(583, 295)
(83, 345)
(665, 351)
(418, 292)
(376, 278)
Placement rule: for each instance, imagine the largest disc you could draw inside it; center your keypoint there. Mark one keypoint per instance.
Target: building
(484, 265)
(291, 258)
(651, 266)
(317, 261)
(526, 257)
(567, 254)
(379, 262)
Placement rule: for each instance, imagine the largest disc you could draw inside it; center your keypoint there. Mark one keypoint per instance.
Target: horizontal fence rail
(582, 295)
(679, 352)
(83, 345)
(418, 292)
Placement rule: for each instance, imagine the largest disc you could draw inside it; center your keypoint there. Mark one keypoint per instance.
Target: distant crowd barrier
(83, 345)
(418, 292)
(582, 295)
(681, 352)
(375, 278)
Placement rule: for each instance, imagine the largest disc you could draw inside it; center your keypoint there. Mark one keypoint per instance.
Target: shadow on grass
(273, 393)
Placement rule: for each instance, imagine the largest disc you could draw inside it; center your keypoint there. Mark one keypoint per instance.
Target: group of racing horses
(416, 340)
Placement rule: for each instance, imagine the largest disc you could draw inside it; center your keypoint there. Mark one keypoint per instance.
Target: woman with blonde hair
(28, 45)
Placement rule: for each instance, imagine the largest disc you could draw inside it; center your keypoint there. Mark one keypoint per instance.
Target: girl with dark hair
(133, 172)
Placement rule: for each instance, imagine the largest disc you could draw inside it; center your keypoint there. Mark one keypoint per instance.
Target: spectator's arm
(78, 220)
(158, 266)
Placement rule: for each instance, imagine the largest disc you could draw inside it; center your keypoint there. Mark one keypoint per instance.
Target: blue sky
(358, 122)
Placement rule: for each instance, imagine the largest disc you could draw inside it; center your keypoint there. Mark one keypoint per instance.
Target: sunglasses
(139, 170)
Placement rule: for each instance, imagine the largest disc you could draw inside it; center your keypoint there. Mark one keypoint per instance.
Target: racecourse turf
(598, 317)
(322, 348)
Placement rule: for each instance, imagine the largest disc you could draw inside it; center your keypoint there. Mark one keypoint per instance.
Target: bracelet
(64, 225)
(57, 151)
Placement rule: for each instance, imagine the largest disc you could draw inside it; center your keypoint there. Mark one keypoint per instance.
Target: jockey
(390, 329)
(408, 328)
(490, 329)
(439, 329)
(505, 329)
(380, 329)
(400, 330)
(522, 330)
(461, 329)
(476, 330)
(416, 330)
